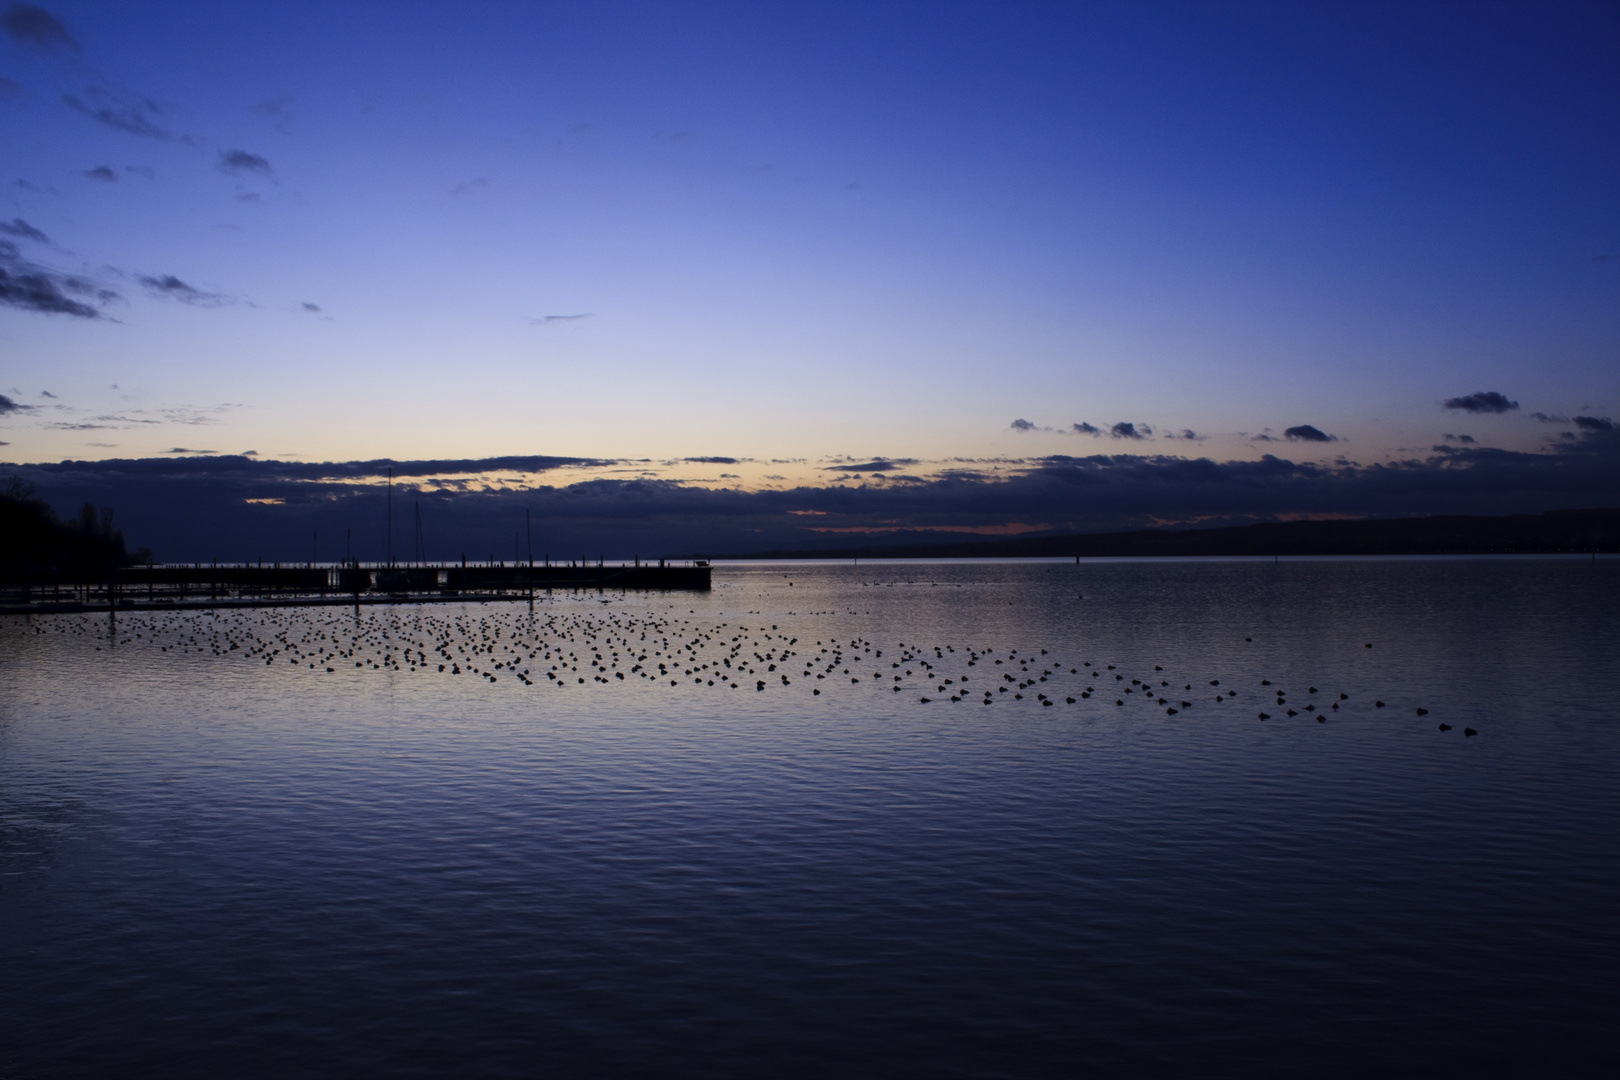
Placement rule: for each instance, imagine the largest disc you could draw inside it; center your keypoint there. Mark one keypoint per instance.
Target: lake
(725, 834)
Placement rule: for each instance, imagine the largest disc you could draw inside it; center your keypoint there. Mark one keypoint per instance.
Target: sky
(734, 276)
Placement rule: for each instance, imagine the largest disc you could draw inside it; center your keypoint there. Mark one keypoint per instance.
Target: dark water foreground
(219, 857)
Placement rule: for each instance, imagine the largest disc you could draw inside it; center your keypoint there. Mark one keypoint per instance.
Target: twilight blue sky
(803, 235)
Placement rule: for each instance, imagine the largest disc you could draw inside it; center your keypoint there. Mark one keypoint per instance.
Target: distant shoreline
(1556, 532)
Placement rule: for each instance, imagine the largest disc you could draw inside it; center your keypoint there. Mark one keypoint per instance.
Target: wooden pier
(203, 585)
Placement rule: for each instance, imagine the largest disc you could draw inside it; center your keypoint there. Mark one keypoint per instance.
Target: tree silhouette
(36, 546)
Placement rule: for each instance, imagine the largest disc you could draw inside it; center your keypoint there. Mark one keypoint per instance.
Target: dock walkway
(192, 586)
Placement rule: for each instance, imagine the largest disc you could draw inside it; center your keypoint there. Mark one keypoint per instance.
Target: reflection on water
(694, 835)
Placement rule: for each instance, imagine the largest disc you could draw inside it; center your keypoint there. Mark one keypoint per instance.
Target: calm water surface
(232, 861)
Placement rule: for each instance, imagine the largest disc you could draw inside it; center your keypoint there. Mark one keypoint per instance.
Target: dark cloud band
(197, 507)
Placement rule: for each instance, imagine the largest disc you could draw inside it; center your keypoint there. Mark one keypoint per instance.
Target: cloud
(35, 288)
(172, 287)
(544, 319)
(23, 231)
(131, 420)
(189, 415)
(311, 307)
(1087, 429)
(1547, 418)
(711, 460)
(144, 171)
(103, 173)
(1023, 425)
(1187, 435)
(189, 507)
(346, 473)
(1307, 433)
(9, 406)
(1486, 401)
(240, 162)
(130, 117)
(1126, 430)
(184, 450)
(47, 393)
(278, 111)
(1594, 423)
(35, 27)
(1467, 440)
(870, 466)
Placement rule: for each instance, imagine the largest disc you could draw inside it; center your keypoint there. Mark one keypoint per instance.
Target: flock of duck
(595, 648)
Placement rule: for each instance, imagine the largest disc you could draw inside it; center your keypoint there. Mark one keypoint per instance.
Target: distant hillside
(1552, 532)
